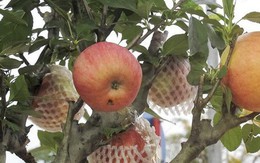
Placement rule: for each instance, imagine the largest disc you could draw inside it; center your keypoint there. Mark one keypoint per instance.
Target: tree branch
(24, 59)
(91, 135)
(63, 152)
(203, 133)
(3, 102)
(208, 135)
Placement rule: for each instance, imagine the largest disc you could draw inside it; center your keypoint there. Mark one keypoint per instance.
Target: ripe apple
(52, 98)
(243, 77)
(107, 76)
(129, 138)
(171, 88)
(139, 144)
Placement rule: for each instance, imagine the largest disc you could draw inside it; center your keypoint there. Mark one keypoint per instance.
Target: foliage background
(242, 7)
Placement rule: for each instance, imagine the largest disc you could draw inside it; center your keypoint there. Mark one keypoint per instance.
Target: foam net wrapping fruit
(51, 101)
(170, 92)
(145, 152)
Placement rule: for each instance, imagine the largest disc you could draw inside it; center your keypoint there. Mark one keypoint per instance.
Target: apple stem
(115, 85)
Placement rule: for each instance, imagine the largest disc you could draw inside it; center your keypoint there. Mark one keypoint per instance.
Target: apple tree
(155, 33)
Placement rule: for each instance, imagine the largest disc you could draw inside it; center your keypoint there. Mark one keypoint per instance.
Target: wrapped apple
(139, 143)
(170, 91)
(52, 99)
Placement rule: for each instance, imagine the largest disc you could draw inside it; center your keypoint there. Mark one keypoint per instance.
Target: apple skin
(243, 77)
(129, 138)
(127, 146)
(107, 76)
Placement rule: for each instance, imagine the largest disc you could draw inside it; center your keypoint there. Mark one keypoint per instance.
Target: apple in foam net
(138, 144)
(170, 87)
(107, 76)
(52, 99)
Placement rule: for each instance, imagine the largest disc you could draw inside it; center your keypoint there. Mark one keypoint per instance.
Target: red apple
(51, 101)
(243, 75)
(138, 144)
(107, 76)
(129, 138)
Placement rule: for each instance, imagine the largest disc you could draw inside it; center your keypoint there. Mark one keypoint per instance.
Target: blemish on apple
(110, 102)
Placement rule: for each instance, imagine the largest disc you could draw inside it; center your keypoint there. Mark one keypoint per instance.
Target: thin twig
(133, 42)
(88, 9)
(217, 83)
(104, 17)
(248, 117)
(63, 152)
(24, 59)
(197, 109)
(141, 39)
(3, 102)
(232, 46)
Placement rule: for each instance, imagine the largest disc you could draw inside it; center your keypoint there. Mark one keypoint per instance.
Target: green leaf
(15, 48)
(154, 114)
(160, 5)
(19, 90)
(251, 137)
(198, 38)
(228, 97)
(13, 34)
(65, 5)
(198, 12)
(155, 19)
(229, 8)
(30, 69)
(21, 109)
(125, 4)
(141, 49)
(217, 100)
(149, 58)
(198, 63)
(144, 7)
(198, 45)
(15, 17)
(232, 138)
(190, 4)
(222, 72)
(252, 16)
(9, 63)
(213, 20)
(43, 153)
(217, 117)
(58, 9)
(26, 5)
(216, 39)
(84, 29)
(11, 125)
(176, 45)
(182, 25)
(37, 44)
(109, 131)
(207, 2)
(131, 32)
(50, 139)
